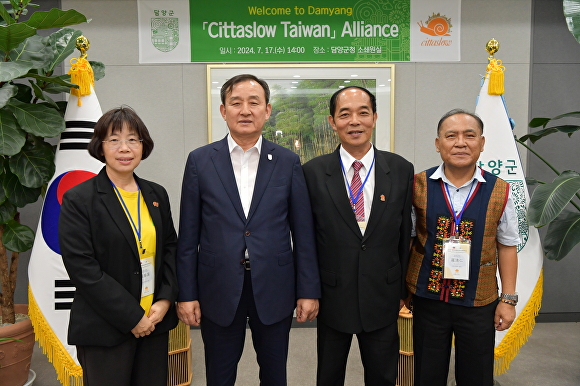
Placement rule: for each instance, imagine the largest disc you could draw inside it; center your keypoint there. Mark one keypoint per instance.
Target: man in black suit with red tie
(361, 200)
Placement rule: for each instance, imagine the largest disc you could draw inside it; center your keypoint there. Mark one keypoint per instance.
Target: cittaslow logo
(436, 25)
(439, 26)
(165, 33)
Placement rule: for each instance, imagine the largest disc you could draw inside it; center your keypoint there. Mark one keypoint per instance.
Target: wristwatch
(509, 298)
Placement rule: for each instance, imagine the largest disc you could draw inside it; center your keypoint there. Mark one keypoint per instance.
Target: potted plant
(557, 203)
(28, 115)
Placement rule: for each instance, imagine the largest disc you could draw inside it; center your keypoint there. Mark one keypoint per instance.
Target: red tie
(355, 185)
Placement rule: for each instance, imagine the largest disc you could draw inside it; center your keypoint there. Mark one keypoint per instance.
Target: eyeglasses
(133, 143)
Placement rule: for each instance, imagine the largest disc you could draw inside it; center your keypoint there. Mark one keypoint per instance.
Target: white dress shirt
(245, 164)
(507, 229)
(369, 187)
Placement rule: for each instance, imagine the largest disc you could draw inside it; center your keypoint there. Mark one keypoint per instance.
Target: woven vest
(478, 224)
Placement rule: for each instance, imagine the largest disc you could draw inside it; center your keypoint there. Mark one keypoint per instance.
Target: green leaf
(37, 119)
(55, 18)
(535, 136)
(6, 16)
(573, 114)
(7, 210)
(17, 237)
(14, 34)
(548, 200)
(62, 80)
(34, 51)
(537, 122)
(2, 193)
(530, 181)
(17, 193)
(24, 93)
(34, 165)
(98, 69)
(62, 107)
(52, 88)
(63, 44)
(6, 92)
(572, 14)
(12, 137)
(563, 235)
(38, 93)
(12, 70)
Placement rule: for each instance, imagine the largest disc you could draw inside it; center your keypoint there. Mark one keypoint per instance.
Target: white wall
(171, 98)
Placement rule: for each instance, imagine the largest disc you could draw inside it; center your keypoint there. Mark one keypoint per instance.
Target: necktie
(355, 187)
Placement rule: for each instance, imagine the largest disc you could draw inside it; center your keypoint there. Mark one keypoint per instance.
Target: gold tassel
(67, 371)
(520, 331)
(495, 71)
(81, 74)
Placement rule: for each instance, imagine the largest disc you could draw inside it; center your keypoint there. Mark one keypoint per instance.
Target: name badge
(147, 276)
(456, 252)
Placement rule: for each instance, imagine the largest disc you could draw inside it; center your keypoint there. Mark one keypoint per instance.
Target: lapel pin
(156, 204)
(269, 157)
(382, 197)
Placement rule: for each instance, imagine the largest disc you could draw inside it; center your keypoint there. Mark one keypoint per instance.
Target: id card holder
(456, 252)
(147, 276)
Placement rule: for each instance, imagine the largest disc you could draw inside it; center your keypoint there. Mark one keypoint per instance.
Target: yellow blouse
(148, 236)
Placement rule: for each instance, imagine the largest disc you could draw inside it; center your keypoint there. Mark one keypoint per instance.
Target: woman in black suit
(118, 246)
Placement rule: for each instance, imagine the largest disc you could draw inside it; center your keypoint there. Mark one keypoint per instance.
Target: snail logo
(437, 25)
(165, 33)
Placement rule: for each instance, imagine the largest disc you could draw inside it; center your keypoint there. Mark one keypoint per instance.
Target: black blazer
(362, 276)
(100, 255)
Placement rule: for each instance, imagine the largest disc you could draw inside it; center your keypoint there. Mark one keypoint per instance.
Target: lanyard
(137, 228)
(457, 218)
(354, 199)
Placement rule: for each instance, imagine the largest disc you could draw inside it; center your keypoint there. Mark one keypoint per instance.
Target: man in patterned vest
(466, 229)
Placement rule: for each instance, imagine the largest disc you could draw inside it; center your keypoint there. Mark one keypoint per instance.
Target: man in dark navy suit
(246, 249)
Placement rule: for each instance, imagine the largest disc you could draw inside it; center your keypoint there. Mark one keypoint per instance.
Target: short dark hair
(230, 83)
(334, 97)
(115, 119)
(459, 111)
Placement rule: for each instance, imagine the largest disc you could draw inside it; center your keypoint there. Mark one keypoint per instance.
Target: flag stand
(179, 372)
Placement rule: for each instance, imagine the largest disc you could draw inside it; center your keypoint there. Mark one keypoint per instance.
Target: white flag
(501, 158)
(50, 292)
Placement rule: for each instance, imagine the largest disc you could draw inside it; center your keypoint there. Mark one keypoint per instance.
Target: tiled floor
(551, 357)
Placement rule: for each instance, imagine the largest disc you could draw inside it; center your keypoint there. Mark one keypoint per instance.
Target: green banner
(300, 31)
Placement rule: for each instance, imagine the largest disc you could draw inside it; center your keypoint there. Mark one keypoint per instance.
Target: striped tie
(355, 186)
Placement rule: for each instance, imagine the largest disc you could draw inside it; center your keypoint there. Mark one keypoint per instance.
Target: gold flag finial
(494, 69)
(81, 71)
(83, 45)
(492, 47)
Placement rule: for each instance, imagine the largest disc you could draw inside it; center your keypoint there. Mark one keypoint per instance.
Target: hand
(158, 310)
(407, 302)
(143, 328)
(189, 312)
(306, 309)
(505, 315)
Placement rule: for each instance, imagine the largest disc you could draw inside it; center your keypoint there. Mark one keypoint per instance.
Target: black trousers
(224, 345)
(135, 362)
(379, 352)
(434, 325)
